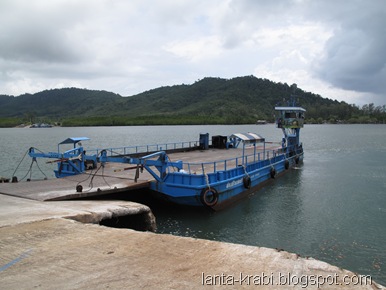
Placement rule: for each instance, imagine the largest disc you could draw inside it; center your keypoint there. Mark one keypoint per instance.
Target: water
(332, 208)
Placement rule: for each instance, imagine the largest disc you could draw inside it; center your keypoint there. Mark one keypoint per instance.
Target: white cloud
(127, 47)
(196, 49)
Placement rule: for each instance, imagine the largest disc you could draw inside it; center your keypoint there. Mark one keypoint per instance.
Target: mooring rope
(30, 167)
(170, 161)
(92, 175)
(245, 170)
(89, 175)
(20, 163)
(30, 171)
(103, 175)
(270, 162)
(206, 175)
(37, 164)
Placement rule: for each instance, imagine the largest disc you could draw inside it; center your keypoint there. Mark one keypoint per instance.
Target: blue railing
(115, 151)
(224, 165)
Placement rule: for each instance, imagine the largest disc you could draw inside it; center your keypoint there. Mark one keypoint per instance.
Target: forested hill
(57, 103)
(208, 101)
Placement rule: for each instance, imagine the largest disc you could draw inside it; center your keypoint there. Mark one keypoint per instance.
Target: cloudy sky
(334, 48)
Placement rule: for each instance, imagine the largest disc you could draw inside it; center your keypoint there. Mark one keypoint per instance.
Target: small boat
(41, 125)
(207, 173)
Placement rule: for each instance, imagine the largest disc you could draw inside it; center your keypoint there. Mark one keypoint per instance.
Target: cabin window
(289, 115)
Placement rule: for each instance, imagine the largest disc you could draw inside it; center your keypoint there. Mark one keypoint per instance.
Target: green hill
(57, 103)
(237, 100)
(208, 101)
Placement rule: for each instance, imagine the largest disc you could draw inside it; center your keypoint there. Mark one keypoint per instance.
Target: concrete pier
(44, 246)
(110, 180)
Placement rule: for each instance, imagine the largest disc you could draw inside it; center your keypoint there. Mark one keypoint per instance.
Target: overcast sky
(335, 48)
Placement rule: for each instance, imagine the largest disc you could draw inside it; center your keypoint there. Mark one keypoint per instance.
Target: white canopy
(248, 137)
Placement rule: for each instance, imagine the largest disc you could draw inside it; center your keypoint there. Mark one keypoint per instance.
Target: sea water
(332, 207)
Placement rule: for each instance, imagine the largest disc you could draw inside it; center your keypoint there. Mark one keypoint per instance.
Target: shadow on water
(267, 215)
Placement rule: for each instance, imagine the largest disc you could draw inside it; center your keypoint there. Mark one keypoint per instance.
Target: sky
(334, 48)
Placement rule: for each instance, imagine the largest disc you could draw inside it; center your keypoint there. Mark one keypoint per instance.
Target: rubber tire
(286, 164)
(247, 182)
(209, 201)
(272, 172)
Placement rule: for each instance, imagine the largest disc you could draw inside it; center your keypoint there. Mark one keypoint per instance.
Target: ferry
(210, 172)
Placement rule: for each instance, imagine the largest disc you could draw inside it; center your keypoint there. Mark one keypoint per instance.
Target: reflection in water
(255, 220)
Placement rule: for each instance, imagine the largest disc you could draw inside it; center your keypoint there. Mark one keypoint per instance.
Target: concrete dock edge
(48, 245)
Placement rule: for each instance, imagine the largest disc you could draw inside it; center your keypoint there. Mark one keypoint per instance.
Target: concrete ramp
(113, 179)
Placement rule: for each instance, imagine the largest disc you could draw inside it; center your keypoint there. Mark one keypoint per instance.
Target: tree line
(240, 100)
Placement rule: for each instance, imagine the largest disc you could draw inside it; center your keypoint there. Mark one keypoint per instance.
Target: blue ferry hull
(214, 184)
(188, 189)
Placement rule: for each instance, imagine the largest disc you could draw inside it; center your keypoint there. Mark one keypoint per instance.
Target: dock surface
(41, 248)
(113, 177)
(93, 184)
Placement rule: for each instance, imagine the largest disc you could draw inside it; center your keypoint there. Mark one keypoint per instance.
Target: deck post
(243, 153)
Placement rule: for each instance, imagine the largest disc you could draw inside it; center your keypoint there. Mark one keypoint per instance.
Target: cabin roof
(73, 140)
(248, 137)
(290, 109)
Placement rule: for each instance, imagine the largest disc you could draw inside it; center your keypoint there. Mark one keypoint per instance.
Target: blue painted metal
(70, 162)
(177, 182)
(290, 119)
(72, 140)
(161, 164)
(187, 188)
(139, 149)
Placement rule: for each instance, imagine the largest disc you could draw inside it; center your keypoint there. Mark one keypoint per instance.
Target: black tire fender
(247, 182)
(297, 159)
(273, 172)
(286, 164)
(209, 196)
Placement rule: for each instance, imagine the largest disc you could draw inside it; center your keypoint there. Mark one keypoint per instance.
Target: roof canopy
(73, 140)
(248, 137)
(293, 109)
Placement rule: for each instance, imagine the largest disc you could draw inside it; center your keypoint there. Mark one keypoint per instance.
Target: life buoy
(297, 159)
(286, 164)
(209, 196)
(272, 172)
(247, 182)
